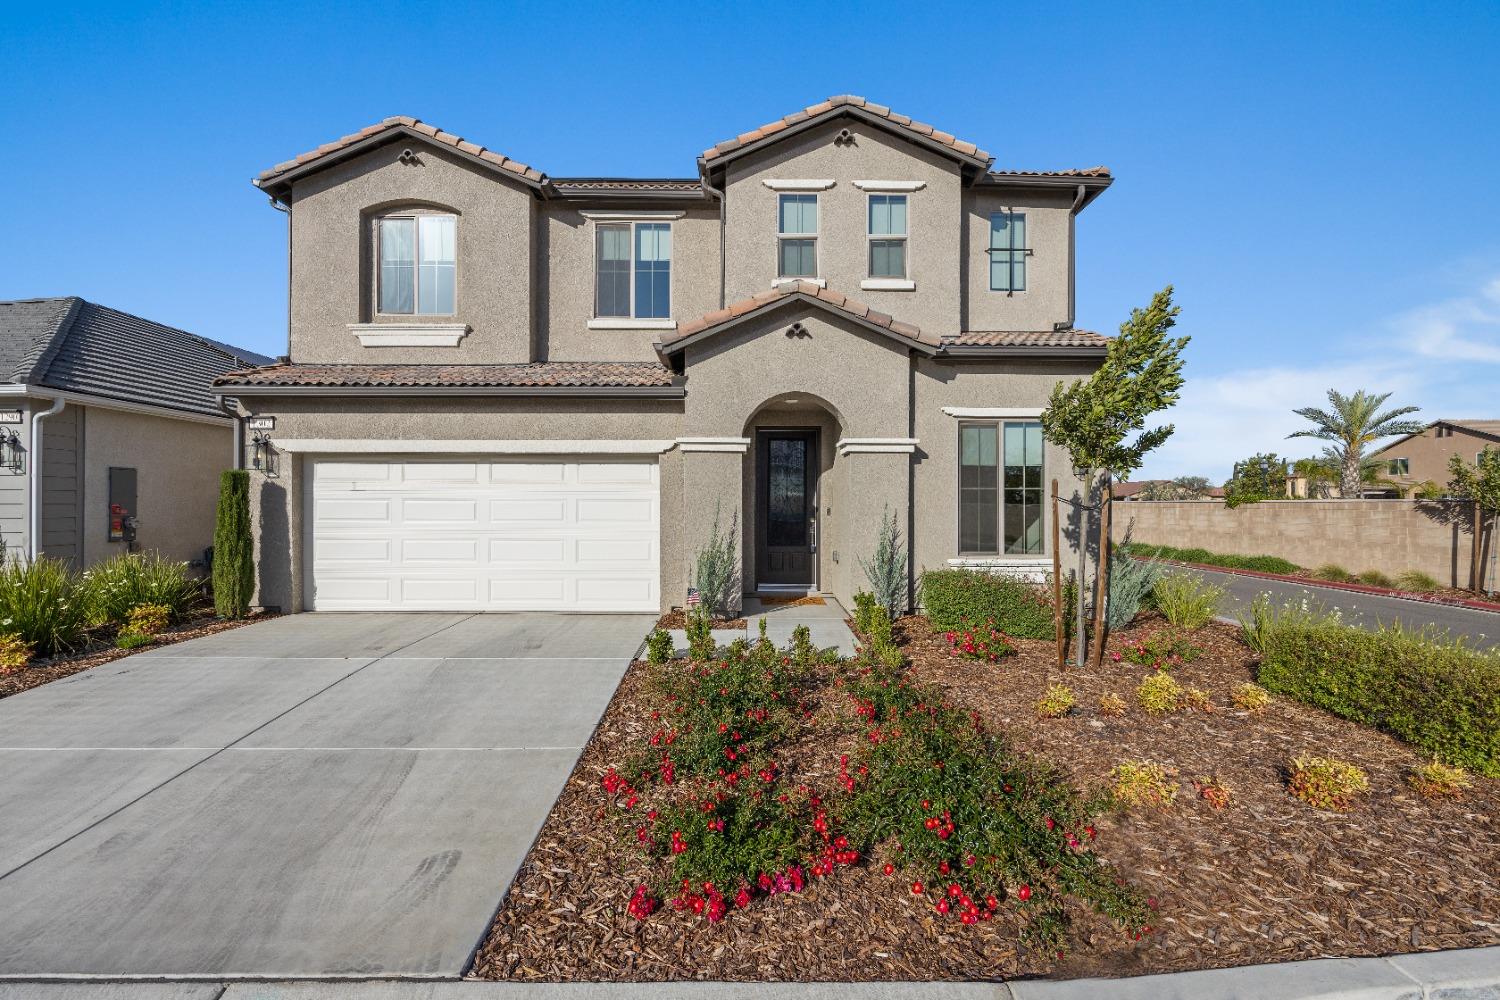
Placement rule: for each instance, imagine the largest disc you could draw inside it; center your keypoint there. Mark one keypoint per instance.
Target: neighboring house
(108, 426)
(1423, 456)
(507, 390)
(1133, 490)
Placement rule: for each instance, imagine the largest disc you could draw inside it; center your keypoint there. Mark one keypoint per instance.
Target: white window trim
(903, 283)
(632, 322)
(409, 334)
(799, 185)
(416, 294)
(816, 236)
(993, 412)
(893, 187)
(780, 282)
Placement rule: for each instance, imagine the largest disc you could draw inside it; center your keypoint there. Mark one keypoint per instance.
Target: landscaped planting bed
(1214, 854)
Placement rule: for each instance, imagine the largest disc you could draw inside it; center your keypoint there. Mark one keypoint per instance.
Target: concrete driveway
(317, 795)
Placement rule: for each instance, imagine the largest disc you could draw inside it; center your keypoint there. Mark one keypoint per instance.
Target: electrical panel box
(122, 505)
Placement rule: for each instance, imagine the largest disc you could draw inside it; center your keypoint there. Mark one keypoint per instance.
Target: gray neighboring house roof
(77, 346)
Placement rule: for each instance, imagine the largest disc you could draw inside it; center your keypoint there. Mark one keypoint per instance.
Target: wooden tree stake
(1101, 577)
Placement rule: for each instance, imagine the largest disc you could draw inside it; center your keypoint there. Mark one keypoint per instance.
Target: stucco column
(877, 478)
(712, 473)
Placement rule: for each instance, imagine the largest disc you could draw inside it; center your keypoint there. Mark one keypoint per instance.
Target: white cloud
(1436, 357)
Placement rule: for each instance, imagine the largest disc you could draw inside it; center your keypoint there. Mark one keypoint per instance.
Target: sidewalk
(1472, 974)
(825, 621)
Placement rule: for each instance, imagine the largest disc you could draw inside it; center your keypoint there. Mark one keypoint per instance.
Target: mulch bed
(678, 619)
(1267, 879)
(52, 668)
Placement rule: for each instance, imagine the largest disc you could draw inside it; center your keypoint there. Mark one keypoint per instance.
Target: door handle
(812, 534)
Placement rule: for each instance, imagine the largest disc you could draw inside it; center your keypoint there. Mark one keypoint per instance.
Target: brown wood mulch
(43, 671)
(677, 618)
(1266, 879)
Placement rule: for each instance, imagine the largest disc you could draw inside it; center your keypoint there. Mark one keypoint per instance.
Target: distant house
(1422, 457)
(110, 437)
(1134, 490)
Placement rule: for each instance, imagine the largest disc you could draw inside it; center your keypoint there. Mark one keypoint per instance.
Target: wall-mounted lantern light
(11, 453)
(262, 455)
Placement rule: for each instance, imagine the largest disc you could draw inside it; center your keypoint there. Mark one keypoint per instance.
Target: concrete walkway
(1481, 628)
(1443, 975)
(316, 795)
(825, 621)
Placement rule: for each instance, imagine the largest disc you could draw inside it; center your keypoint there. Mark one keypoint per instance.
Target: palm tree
(1353, 423)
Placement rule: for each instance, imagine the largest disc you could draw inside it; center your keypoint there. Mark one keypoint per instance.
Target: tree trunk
(1101, 576)
(1350, 481)
(1057, 586)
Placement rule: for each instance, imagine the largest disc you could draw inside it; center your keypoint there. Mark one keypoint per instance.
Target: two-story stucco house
(506, 390)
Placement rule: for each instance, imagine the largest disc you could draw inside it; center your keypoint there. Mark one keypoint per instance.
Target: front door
(787, 487)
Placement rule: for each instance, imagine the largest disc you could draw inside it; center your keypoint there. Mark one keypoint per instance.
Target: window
(1008, 252)
(633, 270)
(797, 236)
(1398, 467)
(1000, 488)
(418, 265)
(887, 232)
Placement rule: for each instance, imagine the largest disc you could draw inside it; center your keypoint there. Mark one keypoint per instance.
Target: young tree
(1479, 483)
(1262, 476)
(234, 553)
(1352, 423)
(1100, 421)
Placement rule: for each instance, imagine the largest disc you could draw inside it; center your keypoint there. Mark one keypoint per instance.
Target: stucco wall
(177, 465)
(933, 213)
(1045, 299)
(568, 248)
(1017, 383)
(1386, 535)
(333, 263)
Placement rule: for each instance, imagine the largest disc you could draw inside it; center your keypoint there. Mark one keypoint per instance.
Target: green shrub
(1139, 783)
(1057, 702)
(133, 640)
(1159, 694)
(234, 550)
(658, 646)
(1375, 578)
(1438, 781)
(1131, 582)
(1416, 581)
(700, 635)
(1259, 564)
(1251, 697)
(1187, 601)
(1333, 574)
(121, 583)
(43, 604)
(959, 598)
(882, 640)
(864, 607)
(1429, 690)
(15, 653)
(1326, 782)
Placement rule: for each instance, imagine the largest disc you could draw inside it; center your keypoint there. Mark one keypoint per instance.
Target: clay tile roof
(897, 122)
(828, 297)
(1491, 427)
(1002, 175)
(403, 122)
(664, 185)
(540, 375)
(1027, 338)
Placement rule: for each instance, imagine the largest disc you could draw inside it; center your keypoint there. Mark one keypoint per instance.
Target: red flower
(1023, 893)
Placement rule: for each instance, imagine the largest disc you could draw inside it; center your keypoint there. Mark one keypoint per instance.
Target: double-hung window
(1008, 252)
(418, 265)
(887, 234)
(797, 236)
(1000, 488)
(633, 270)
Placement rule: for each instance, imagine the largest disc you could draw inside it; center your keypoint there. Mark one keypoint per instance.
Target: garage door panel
(449, 534)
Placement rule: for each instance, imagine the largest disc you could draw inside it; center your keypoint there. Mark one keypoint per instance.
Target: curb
(1357, 588)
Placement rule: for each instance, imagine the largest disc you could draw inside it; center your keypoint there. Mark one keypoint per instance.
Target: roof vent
(797, 330)
(408, 156)
(844, 138)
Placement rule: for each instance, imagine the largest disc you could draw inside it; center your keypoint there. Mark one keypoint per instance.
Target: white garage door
(539, 534)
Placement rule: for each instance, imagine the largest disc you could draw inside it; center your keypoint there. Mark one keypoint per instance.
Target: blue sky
(1319, 181)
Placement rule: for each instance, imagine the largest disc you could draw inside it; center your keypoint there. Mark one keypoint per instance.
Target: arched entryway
(792, 499)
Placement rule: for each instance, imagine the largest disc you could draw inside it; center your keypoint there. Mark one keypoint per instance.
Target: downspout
(1073, 255)
(34, 539)
(238, 433)
(719, 194)
(286, 207)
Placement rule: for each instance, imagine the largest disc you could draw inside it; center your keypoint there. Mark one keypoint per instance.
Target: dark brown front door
(787, 486)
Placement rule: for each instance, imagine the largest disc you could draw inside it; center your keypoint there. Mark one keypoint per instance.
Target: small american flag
(693, 599)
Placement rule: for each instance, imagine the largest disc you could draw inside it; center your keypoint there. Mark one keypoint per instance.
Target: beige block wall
(177, 465)
(569, 253)
(933, 213)
(1391, 536)
(334, 264)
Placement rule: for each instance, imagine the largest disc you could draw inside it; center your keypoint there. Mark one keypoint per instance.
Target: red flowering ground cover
(878, 864)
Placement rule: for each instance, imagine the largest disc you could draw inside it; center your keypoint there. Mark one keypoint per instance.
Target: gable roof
(278, 179)
(77, 346)
(852, 105)
(806, 291)
(1479, 428)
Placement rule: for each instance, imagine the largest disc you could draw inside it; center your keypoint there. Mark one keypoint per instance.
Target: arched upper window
(417, 264)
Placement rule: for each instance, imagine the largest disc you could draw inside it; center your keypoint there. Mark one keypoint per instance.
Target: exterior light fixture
(10, 451)
(262, 455)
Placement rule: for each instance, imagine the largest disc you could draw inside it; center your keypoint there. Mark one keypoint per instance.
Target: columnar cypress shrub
(234, 554)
